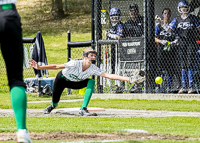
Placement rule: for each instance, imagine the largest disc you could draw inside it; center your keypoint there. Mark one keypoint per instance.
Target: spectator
(134, 26)
(166, 57)
(187, 26)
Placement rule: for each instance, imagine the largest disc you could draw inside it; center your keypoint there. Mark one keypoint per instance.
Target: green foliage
(36, 16)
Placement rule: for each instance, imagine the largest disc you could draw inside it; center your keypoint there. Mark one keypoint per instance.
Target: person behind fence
(166, 54)
(12, 51)
(187, 26)
(134, 26)
(75, 75)
(115, 32)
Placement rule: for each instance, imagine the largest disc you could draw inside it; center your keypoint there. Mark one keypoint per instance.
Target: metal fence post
(69, 55)
(98, 37)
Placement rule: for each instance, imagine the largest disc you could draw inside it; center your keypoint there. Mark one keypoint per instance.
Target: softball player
(12, 51)
(75, 75)
(116, 29)
(166, 58)
(115, 32)
(188, 27)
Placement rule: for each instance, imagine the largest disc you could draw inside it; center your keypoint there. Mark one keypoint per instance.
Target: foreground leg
(87, 97)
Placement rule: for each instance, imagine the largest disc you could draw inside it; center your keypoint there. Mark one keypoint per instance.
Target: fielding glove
(137, 77)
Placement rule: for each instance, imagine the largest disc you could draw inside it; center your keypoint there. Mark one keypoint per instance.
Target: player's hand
(163, 42)
(117, 37)
(34, 64)
(174, 43)
(107, 33)
(158, 19)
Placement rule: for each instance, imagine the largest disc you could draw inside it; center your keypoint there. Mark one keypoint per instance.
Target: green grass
(168, 105)
(179, 105)
(176, 126)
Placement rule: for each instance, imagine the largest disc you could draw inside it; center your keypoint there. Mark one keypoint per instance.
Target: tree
(57, 9)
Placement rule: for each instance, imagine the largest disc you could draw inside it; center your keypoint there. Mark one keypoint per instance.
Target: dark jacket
(39, 55)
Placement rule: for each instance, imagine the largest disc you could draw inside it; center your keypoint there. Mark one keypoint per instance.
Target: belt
(64, 78)
(7, 6)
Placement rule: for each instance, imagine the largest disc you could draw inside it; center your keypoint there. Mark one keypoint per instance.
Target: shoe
(23, 136)
(84, 112)
(49, 109)
(182, 90)
(191, 90)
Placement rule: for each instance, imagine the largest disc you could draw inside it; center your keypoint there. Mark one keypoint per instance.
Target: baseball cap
(133, 7)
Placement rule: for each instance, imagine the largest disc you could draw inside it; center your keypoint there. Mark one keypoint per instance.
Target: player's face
(92, 56)
(166, 14)
(184, 9)
(114, 18)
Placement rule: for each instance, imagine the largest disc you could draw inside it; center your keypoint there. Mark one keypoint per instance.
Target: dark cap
(134, 6)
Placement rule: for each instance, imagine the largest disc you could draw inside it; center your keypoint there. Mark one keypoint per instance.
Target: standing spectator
(115, 32)
(134, 26)
(166, 57)
(187, 26)
(12, 51)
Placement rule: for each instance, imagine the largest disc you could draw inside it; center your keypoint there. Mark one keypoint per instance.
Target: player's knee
(92, 81)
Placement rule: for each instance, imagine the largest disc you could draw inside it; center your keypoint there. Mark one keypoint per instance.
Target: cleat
(23, 136)
(84, 112)
(191, 90)
(182, 90)
(48, 109)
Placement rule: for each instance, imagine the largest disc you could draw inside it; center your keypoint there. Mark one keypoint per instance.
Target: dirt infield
(93, 136)
(96, 136)
(65, 112)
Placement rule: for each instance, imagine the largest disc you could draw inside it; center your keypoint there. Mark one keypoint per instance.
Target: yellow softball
(158, 80)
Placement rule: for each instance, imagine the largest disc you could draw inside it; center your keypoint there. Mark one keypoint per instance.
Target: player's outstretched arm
(138, 77)
(115, 77)
(35, 65)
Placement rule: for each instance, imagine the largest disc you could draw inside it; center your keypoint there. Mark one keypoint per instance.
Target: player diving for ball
(188, 27)
(75, 75)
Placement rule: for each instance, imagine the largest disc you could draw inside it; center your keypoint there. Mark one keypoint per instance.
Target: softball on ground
(158, 80)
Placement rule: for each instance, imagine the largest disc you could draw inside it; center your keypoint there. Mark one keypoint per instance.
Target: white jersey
(73, 71)
(7, 1)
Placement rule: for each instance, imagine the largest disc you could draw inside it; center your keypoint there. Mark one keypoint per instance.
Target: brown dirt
(93, 136)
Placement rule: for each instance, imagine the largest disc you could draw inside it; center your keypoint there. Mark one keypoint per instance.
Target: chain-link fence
(28, 43)
(128, 38)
